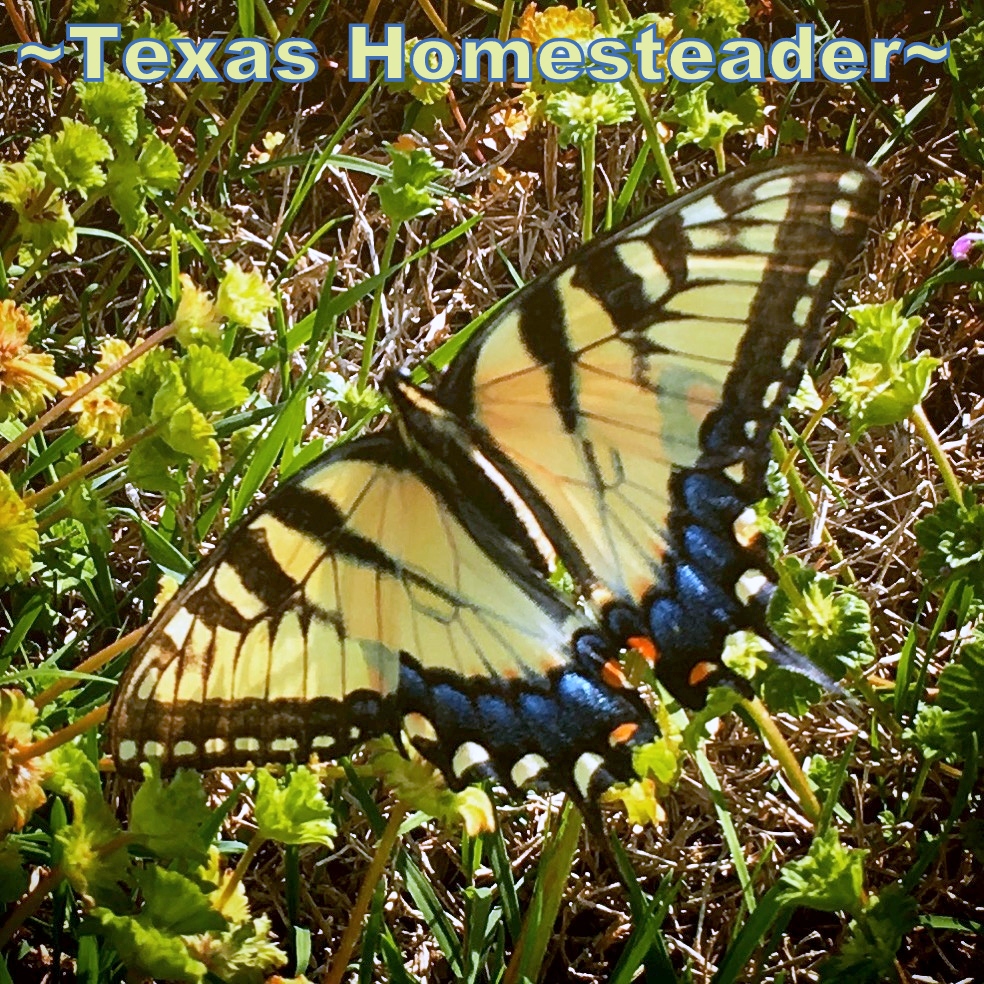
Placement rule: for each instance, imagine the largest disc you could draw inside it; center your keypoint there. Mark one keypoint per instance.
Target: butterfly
(611, 422)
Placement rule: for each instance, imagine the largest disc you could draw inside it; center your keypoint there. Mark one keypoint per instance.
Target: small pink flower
(962, 247)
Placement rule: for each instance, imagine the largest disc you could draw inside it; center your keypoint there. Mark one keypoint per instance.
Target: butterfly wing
(358, 601)
(633, 391)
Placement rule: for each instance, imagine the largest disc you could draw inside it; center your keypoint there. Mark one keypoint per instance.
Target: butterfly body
(612, 420)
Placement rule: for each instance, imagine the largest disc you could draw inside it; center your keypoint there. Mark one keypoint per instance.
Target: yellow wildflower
(27, 378)
(100, 416)
(244, 297)
(111, 351)
(20, 781)
(557, 22)
(196, 319)
(641, 802)
(18, 533)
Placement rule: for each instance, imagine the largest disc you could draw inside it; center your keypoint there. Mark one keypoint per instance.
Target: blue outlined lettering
(472, 50)
(800, 49)
(745, 61)
(296, 60)
(146, 60)
(842, 60)
(391, 51)
(648, 46)
(691, 60)
(560, 60)
(41, 52)
(433, 60)
(608, 60)
(250, 61)
(197, 60)
(882, 50)
(926, 52)
(94, 54)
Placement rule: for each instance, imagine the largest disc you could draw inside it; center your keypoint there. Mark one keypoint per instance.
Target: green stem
(385, 262)
(587, 188)
(784, 754)
(256, 842)
(353, 930)
(925, 430)
(805, 504)
(505, 19)
(642, 108)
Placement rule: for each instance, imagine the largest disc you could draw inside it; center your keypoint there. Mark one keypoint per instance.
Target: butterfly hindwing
(355, 602)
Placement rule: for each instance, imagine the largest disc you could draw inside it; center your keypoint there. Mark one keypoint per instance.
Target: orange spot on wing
(645, 647)
(699, 672)
(622, 733)
(612, 674)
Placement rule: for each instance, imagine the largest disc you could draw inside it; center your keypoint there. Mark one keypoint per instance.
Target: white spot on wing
(746, 527)
(584, 769)
(840, 212)
(641, 260)
(284, 745)
(527, 768)
(183, 749)
(128, 750)
(467, 757)
(817, 272)
(770, 395)
(802, 310)
(246, 744)
(789, 353)
(216, 746)
(148, 683)
(419, 726)
(749, 585)
(153, 749)
(849, 182)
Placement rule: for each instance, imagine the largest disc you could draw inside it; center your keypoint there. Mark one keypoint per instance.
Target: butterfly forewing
(671, 343)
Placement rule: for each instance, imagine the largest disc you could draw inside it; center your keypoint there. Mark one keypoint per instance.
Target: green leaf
(404, 195)
(868, 955)
(168, 818)
(951, 538)
(114, 106)
(296, 813)
(829, 624)
(148, 951)
(93, 853)
(43, 218)
(14, 878)
(183, 427)
(214, 381)
(244, 297)
(880, 386)
(72, 158)
(244, 954)
(126, 192)
(829, 878)
(961, 688)
(160, 169)
(176, 904)
(698, 122)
